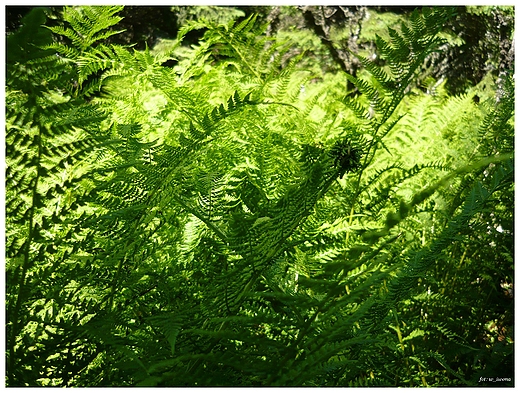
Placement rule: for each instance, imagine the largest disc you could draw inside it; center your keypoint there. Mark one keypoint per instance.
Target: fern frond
(90, 24)
(404, 52)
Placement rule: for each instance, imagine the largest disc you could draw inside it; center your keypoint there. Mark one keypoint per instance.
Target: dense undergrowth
(223, 215)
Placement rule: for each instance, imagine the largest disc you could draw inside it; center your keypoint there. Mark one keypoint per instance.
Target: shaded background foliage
(485, 33)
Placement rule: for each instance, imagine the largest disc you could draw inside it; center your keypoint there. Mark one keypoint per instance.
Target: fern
(88, 26)
(203, 226)
(51, 137)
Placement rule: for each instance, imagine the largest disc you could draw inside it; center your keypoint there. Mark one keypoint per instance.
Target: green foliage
(217, 224)
(218, 15)
(485, 36)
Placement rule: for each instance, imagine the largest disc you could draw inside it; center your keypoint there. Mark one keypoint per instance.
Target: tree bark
(319, 19)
